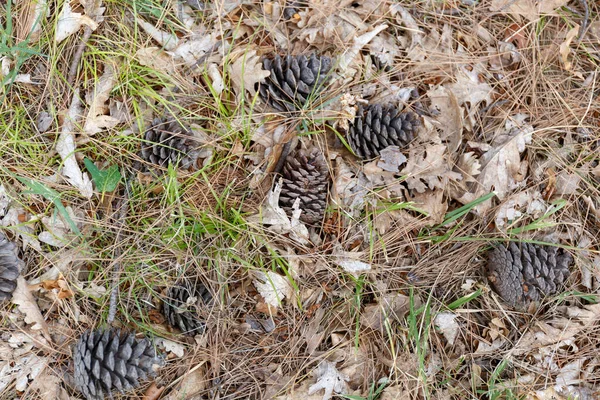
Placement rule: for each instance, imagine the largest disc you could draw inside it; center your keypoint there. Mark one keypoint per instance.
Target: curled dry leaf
(565, 47)
(329, 379)
(502, 169)
(278, 221)
(26, 303)
(428, 168)
(96, 119)
(446, 323)
(246, 72)
(529, 202)
(391, 307)
(69, 22)
(65, 146)
(272, 287)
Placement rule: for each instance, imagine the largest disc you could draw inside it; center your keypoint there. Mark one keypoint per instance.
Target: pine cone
(106, 360)
(377, 127)
(524, 273)
(10, 267)
(178, 310)
(293, 80)
(167, 141)
(305, 176)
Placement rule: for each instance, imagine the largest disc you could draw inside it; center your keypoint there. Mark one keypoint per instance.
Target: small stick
(284, 153)
(112, 310)
(87, 33)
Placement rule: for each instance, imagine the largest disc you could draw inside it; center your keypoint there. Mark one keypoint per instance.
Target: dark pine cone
(305, 176)
(377, 127)
(524, 273)
(167, 141)
(293, 80)
(182, 311)
(106, 360)
(10, 267)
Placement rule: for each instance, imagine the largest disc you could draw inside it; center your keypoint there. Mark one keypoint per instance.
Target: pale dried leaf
(246, 71)
(446, 323)
(156, 59)
(69, 22)
(391, 159)
(448, 115)
(432, 202)
(27, 305)
(428, 168)
(273, 287)
(168, 41)
(391, 307)
(216, 79)
(96, 119)
(65, 146)
(529, 202)
(277, 220)
(191, 50)
(530, 9)
(172, 347)
(194, 382)
(329, 379)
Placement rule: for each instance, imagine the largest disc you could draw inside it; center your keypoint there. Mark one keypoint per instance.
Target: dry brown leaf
(26, 303)
(502, 169)
(153, 392)
(530, 9)
(96, 119)
(565, 47)
(246, 71)
(389, 308)
(432, 202)
(428, 169)
(194, 382)
(449, 117)
(69, 22)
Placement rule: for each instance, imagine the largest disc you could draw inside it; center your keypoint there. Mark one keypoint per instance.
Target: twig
(112, 310)
(586, 18)
(87, 33)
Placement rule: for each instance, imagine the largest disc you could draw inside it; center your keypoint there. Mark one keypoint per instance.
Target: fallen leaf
(172, 347)
(428, 168)
(389, 308)
(273, 287)
(96, 119)
(65, 146)
(27, 305)
(432, 202)
(501, 164)
(153, 392)
(69, 22)
(530, 9)
(278, 221)
(329, 379)
(195, 381)
(449, 115)
(565, 47)
(157, 59)
(391, 159)
(529, 202)
(246, 72)
(446, 323)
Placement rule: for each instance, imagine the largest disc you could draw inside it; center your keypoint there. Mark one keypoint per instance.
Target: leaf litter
(354, 278)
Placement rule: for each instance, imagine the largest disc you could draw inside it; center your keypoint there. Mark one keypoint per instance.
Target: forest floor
(388, 296)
